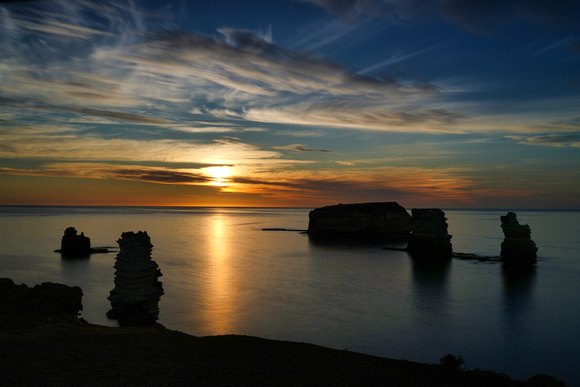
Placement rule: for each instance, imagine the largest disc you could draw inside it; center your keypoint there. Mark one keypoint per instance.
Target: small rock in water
(73, 245)
(77, 246)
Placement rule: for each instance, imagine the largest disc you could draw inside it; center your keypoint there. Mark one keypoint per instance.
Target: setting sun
(219, 175)
(219, 172)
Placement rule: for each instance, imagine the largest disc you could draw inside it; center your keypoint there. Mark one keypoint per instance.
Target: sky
(302, 103)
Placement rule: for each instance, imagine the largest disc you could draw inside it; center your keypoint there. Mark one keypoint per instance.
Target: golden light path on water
(221, 293)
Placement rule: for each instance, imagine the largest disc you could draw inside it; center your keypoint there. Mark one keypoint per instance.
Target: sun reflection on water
(220, 295)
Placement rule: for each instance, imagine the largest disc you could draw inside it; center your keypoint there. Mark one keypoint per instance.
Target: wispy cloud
(570, 125)
(400, 57)
(557, 140)
(242, 75)
(262, 68)
(116, 115)
(43, 142)
(319, 35)
(204, 129)
(480, 17)
(546, 47)
(55, 27)
(158, 176)
(268, 80)
(301, 148)
(348, 115)
(403, 184)
(106, 171)
(354, 10)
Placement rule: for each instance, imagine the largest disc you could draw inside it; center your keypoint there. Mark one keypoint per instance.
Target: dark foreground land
(67, 353)
(44, 343)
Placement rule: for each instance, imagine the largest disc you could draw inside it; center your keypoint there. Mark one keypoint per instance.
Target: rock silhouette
(47, 302)
(76, 246)
(73, 245)
(135, 298)
(429, 237)
(360, 220)
(517, 246)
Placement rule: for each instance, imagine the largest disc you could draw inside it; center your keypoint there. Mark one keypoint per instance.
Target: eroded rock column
(517, 246)
(429, 237)
(135, 298)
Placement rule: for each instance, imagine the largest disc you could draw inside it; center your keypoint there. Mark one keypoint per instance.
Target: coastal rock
(73, 245)
(429, 237)
(47, 302)
(517, 246)
(76, 246)
(135, 298)
(361, 220)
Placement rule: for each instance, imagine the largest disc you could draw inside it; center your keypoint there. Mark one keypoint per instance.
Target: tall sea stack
(429, 237)
(517, 246)
(135, 298)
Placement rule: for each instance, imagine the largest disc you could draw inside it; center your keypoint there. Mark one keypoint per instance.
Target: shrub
(452, 362)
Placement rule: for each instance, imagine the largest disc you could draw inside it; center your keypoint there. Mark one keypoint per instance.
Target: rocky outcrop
(76, 246)
(47, 302)
(135, 298)
(517, 246)
(362, 220)
(429, 237)
(73, 245)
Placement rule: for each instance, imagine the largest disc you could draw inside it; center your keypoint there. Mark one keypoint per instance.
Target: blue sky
(442, 103)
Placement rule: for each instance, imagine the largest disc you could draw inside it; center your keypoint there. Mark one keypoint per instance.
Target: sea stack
(429, 237)
(73, 245)
(360, 221)
(517, 246)
(135, 298)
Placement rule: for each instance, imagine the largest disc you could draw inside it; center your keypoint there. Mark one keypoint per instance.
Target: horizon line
(296, 207)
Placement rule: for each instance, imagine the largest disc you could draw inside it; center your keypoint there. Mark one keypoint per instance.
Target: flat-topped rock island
(360, 220)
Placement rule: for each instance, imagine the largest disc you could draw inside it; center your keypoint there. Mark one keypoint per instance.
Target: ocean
(222, 274)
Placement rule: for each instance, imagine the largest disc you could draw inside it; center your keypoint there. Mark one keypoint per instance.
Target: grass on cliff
(91, 355)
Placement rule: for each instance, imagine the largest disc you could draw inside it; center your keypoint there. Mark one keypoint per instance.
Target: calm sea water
(223, 275)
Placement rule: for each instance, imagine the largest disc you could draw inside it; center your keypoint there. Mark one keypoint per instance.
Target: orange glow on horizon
(410, 187)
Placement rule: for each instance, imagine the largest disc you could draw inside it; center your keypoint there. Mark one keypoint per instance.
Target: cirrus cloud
(558, 140)
(301, 148)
